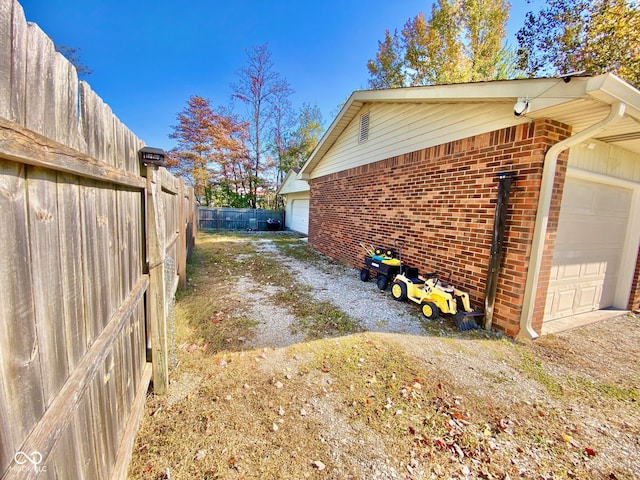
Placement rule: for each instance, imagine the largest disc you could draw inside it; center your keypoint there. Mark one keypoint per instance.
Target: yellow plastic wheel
(430, 310)
(399, 291)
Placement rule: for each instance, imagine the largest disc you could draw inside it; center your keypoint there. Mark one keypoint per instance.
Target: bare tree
(262, 90)
(73, 55)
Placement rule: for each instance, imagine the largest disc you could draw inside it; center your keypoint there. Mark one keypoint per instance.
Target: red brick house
(421, 164)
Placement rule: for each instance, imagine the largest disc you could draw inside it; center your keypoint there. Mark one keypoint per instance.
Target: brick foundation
(441, 202)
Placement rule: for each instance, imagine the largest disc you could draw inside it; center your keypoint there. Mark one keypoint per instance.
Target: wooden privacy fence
(93, 249)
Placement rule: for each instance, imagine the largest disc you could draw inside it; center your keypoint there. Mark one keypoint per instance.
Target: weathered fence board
(47, 286)
(19, 355)
(157, 302)
(5, 61)
(18, 62)
(92, 256)
(73, 304)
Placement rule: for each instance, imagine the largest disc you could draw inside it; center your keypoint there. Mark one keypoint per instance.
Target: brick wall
(441, 202)
(555, 132)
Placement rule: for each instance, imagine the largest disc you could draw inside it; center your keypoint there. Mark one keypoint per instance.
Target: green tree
(461, 41)
(261, 89)
(387, 70)
(486, 30)
(594, 36)
(303, 139)
(445, 61)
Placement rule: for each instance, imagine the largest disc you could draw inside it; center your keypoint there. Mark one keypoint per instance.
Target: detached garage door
(300, 216)
(591, 234)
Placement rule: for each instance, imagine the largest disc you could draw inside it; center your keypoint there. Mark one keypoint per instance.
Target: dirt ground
(274, 381)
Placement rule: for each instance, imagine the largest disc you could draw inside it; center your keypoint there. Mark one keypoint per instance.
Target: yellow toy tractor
(435, 296)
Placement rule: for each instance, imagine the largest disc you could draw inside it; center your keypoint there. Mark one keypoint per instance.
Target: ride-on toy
(383, 262)
(435, 296)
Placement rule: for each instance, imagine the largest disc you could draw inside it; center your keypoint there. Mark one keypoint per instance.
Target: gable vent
(364, 128)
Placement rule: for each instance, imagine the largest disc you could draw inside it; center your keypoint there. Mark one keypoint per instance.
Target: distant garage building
(296, 193)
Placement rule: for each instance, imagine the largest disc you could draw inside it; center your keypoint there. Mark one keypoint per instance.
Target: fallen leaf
(201, 454)
(318, 464)
(590, 452)
(458, 450)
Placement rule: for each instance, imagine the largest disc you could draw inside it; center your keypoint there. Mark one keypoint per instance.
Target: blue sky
(149, 56)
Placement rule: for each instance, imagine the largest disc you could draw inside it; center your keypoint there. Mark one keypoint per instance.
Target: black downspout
(495, 258)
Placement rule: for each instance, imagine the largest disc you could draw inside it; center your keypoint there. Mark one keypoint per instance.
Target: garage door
(300, 216)
(586, 261)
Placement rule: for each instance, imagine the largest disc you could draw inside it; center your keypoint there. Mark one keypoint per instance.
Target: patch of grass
(206, 311)
(209, 309)
(316, 319)
(238, 423)
(535, 369)
(613, 392)
(414, 410)
(294, 248)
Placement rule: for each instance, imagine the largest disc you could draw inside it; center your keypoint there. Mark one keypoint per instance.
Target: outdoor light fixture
(521, 107)
(152, 156)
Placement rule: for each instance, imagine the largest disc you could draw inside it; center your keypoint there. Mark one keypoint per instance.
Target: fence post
(182, 236)
(157, 295)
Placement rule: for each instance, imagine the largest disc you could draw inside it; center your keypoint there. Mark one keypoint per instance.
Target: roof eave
(540, 93)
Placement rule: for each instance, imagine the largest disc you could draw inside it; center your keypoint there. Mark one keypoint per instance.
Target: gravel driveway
(376, 310)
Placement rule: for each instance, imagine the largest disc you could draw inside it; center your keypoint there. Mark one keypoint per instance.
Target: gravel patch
(376, 310)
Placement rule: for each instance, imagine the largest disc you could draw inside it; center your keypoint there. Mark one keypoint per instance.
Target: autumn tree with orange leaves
(238, 160)
(211, 154)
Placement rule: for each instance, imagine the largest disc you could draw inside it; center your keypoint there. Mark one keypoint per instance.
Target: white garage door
(300, 216)
(586, 261)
